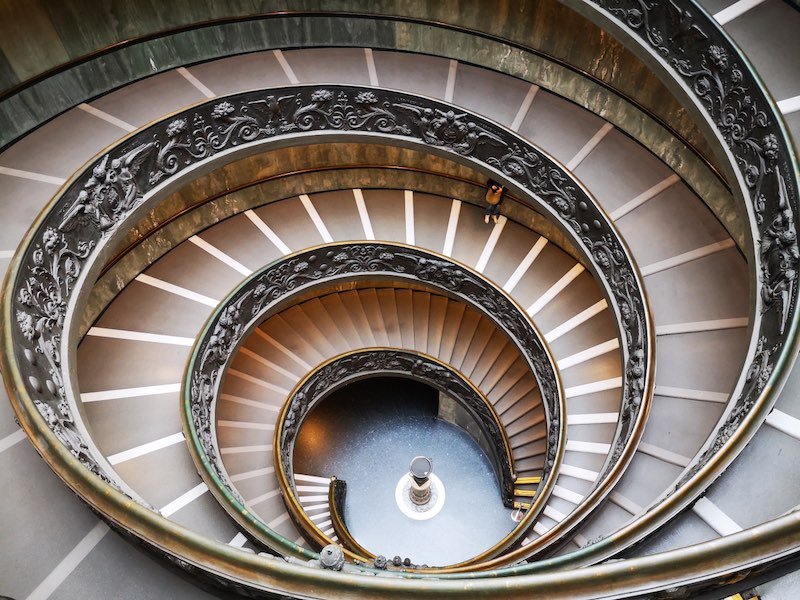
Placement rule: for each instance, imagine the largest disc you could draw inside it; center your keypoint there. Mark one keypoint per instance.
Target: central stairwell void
(366, 434)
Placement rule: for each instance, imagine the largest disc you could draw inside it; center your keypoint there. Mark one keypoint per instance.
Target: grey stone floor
(366, 434)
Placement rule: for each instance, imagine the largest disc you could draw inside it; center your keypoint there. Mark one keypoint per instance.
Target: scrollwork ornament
(110, 193)
(779, 255)
(701, 55)
(398, 362)
(94, 205)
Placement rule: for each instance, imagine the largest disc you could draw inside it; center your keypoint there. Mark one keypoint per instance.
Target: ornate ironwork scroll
(699, 53)
(379, 361)
(61, 252)
(263, 292)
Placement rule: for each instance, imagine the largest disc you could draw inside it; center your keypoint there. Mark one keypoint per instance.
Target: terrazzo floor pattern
(366, 434)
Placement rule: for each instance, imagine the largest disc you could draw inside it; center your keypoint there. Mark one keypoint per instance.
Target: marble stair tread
(691, 226)
(192, 268)
(576, 125)
(149, 99)
(334, 305)
(280, 330)
(144, 308)
(471, 235)
(291, 223)
(386, 209)
(702, 290)
(339, 212)
(252, 362)
(317, 64)
(767, 33)
(617, 170)
(580, 294)
(111, 364)
(387, 303)
(550, 266)
(231, 410)
(372, 310)
(61, 146)
(436, 324)
(421, 303)
(316, 313)
(352, 302)
(606, 366)
(236, 73)
(453, 320)
(21, 200)
(155, 417)
(239, 238)
(484, 334)
(417, 73)
(498, 357)
(490, 93)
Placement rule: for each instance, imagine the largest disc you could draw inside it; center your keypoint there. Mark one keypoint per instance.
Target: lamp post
(419, 473)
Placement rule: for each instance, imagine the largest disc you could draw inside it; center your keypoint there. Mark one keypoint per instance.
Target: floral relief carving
(700, 54)
(110, 192)
(94, 206)
(325, 379)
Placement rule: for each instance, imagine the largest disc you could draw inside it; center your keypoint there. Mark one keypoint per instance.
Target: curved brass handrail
(336, 496)
(77, 227)
(266, 291)
(284, 468)
(773, 547)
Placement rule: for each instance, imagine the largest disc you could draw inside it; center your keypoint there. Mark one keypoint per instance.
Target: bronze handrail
(716, 559)
(267, 290)
(336, 495)
(6, 94)
(283, 444)
(79, 226)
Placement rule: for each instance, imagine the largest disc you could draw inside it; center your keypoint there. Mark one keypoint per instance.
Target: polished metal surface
(261, 294)
(764, 366)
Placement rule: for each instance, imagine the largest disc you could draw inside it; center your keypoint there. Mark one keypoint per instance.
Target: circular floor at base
(366, 434)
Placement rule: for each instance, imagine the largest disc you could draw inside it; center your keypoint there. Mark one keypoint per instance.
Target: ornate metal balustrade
(269, 290)
(694, 51)
(682, 40)
(378, 362)
(722, 83)
(66, 247)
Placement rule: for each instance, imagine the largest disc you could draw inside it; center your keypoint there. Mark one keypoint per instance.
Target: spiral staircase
(213, 215)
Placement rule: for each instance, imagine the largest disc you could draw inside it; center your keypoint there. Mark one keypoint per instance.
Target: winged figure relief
(110, 192)
(684, 27)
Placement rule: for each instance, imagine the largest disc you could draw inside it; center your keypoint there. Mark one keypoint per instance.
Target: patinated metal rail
(68, 243)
